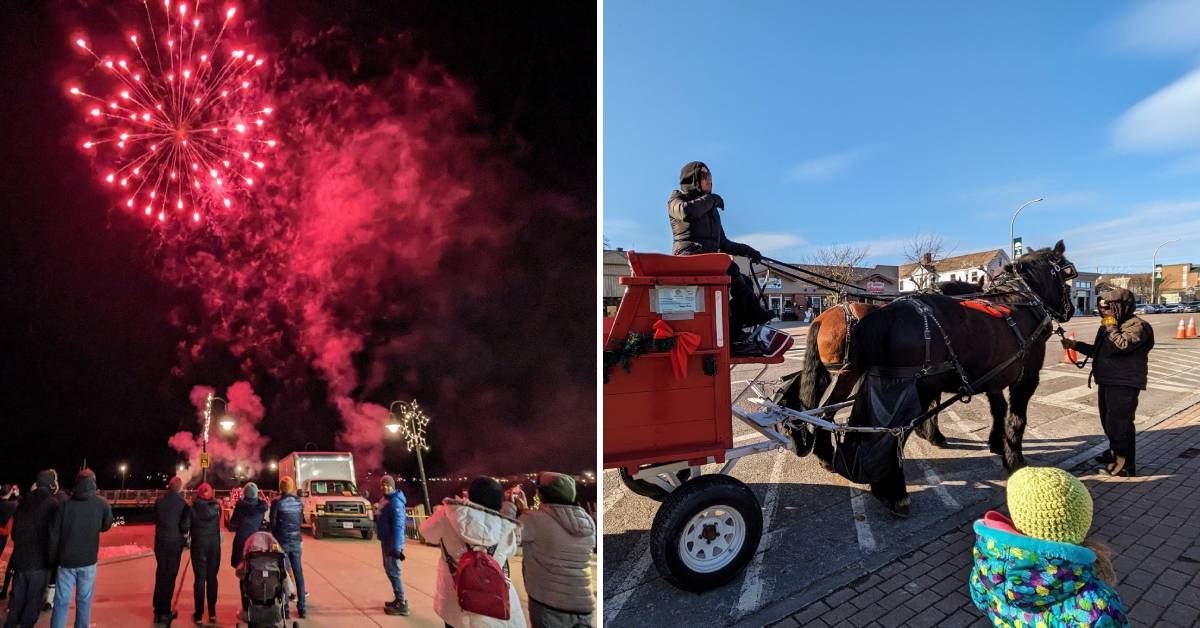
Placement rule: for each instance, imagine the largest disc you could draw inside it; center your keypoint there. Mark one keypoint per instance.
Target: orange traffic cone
(1180, 332)
(1191, 328)
(1070, 356)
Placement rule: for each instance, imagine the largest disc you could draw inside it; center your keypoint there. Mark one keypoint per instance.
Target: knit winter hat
(556, 488)
(251, 491)
(204, 491)
(1050, 504)
(287, 485)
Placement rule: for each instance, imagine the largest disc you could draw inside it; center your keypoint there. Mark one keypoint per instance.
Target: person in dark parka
(287, 515)
(694, 212)
(172, 520)
(81, 521)
(205, 539)
(34, 535)
(1120, 357)
(249, 516)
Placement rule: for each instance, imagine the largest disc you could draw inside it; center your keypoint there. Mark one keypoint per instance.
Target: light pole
(412, 422)
(226, 425)
(1154, 269)
(123, 468)
(1012, 226)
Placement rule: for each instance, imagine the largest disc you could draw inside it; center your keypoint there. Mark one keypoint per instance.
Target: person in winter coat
(34, 535)
(694, 212)
(389, 526)
(80, 522)
(248, 517)
(8, 507)
(1120, 359)
(287, 515)
(1037, 569)
(205, 539)
(459, 525)
(172, 519)
(557, 540)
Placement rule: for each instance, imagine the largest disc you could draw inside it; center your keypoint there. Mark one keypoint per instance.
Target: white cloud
(1161, 26)
(767, 242)
(823, 168)
(1131, 239)
(1169, 119)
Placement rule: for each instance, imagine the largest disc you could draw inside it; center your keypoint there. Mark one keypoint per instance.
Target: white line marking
(753, 587)
(936, 484)
(961, 426)
(862, 527)
(635, 566)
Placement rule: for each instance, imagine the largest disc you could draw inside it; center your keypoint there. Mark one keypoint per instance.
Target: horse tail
(814, 377)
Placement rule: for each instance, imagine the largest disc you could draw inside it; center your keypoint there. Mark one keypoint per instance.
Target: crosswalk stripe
(862, 527)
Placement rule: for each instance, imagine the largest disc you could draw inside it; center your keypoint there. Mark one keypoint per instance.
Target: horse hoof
(902, 507)
(939, 441)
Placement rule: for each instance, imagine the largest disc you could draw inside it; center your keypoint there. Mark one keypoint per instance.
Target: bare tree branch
(927, 243)
(839, 262)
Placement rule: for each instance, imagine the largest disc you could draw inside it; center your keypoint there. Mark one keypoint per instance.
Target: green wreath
(635, 345)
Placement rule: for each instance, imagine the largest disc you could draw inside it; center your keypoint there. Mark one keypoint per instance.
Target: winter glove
(719, 202)
(397, 554)
(755, 256)
(1067, 343)
(1109, 321)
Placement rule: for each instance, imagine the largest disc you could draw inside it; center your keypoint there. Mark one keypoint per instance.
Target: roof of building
(958, 262)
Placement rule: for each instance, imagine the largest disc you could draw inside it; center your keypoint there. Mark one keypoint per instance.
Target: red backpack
(480, 582)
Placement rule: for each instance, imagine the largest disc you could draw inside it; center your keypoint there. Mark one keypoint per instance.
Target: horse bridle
(1060, 269)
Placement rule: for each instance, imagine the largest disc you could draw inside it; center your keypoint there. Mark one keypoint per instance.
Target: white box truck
(325, 484)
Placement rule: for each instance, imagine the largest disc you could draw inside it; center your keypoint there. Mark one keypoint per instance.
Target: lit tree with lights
(411, 422)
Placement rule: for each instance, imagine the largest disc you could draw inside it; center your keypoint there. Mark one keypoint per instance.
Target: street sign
(204, 460)
(772, 283)
(876, 287)
(1018, 250)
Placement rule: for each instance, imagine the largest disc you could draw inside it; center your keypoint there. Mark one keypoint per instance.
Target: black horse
(968, 352)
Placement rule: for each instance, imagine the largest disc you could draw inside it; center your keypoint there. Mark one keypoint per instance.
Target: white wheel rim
(712, 538)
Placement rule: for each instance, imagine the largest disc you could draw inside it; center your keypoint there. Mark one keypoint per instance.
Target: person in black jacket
(206, 550)
(1120, 360)
(248, 517)
(80, 522)
(172, 520)
(287, 515)
(695, 217)
(34, 534)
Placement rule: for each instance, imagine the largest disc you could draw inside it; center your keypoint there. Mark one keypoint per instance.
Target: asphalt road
(820, 531)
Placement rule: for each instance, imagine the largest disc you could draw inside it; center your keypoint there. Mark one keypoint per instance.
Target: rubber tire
(317, 530)
(680, 506)
(650, 489)
(367, 534)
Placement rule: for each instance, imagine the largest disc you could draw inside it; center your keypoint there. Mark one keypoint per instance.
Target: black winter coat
(81, 519)
(172, 520)
(34, 531)
(1120, 353)
(248, 517)
(7, 508)
(696, 226)
(206, 523)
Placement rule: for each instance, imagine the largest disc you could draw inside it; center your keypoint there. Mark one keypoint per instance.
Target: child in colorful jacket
(1033, 571)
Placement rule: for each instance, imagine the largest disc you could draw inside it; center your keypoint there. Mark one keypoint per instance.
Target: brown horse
(827, 376)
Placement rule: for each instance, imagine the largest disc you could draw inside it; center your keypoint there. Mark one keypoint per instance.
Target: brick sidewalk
(1151, 523)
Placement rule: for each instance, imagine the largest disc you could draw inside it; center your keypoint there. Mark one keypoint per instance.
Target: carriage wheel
(650, 489)
(705, 532)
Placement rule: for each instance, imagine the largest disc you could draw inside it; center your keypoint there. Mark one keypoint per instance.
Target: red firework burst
(181, 135)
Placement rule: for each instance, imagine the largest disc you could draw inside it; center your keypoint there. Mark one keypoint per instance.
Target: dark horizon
(100, 348)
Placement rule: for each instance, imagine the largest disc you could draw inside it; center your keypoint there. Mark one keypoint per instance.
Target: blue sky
(866, 123)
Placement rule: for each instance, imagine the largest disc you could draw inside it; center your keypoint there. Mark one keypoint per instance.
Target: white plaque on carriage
(676, 302)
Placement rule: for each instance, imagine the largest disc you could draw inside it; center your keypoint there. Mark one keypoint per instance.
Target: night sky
(91, 325)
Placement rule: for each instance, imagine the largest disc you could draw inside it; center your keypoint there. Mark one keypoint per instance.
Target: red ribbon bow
(686, 342)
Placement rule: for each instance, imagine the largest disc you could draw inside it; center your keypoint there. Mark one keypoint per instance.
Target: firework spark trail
(183, 136)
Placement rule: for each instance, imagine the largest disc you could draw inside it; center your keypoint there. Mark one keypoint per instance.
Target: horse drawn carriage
(668, 409)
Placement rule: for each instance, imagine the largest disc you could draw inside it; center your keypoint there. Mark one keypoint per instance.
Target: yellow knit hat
(1051, 504)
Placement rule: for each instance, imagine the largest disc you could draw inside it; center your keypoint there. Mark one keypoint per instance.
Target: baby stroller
(264, 582)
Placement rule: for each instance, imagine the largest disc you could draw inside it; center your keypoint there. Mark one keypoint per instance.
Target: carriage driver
(1119, 355)
(696, 228)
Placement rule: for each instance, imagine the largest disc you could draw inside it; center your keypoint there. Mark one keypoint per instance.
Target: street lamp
(123, 468)
(1012, 225)
(413, 422)
(1154, 269)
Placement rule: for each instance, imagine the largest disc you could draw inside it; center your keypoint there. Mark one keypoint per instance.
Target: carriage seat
(776, 343)
(660, 265)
